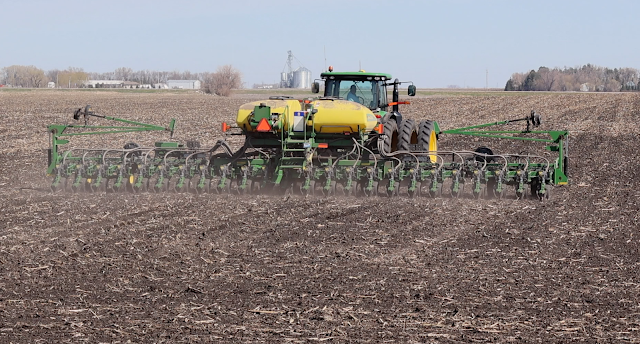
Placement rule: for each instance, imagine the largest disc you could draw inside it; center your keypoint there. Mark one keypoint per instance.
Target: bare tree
(175, 75)
(223, 81)
(612, 85)
(11, 75)
(628, 75)
(72, 77)
(23, 76)
(123, 73)
(582, 78)
(546, 79)
(36, 77)
(517, 79)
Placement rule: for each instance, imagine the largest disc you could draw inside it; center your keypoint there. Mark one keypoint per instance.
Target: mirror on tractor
(412, 90)
(315, 87)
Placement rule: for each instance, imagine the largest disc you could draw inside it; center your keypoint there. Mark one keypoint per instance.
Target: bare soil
(180, 268)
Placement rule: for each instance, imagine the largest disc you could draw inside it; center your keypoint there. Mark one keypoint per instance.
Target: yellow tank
(332, 116)
(339, 116)
(285, 108)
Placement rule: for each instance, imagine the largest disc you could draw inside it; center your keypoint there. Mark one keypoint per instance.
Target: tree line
(587, 78)
(221, 82)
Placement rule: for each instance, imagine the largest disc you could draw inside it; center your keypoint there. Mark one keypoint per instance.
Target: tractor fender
(392, 115)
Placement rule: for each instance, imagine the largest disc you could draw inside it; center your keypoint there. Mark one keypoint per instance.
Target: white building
(184, 84)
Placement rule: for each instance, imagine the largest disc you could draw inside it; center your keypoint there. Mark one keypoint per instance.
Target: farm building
(130, 84)
(184, 84)
(104, 83)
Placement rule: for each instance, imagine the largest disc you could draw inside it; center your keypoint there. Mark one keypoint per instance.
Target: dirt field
(180, 268)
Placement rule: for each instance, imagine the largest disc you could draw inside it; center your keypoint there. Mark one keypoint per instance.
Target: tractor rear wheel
(428, 138)
(408, 135)
(390, 143)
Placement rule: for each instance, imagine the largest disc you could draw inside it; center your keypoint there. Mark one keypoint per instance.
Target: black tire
(390, 143)
(407, 135)
(484, 150)
(428, 138)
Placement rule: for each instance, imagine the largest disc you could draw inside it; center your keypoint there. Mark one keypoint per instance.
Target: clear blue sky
(433, 43)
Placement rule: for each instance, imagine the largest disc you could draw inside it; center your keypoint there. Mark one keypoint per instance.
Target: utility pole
(487, 80)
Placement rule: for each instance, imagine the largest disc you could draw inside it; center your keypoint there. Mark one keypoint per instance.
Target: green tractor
(352, 140)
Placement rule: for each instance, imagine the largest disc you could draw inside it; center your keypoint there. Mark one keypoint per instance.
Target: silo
(284, 80)
(301, 78)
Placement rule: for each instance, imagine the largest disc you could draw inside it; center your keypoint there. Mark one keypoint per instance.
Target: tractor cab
(368, 89)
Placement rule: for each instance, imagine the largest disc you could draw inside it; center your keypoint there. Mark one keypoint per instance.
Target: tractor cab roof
(361, 75)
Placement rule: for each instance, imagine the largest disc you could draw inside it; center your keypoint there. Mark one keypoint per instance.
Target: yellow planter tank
(285, 107)
(332, 116)
(339, 116)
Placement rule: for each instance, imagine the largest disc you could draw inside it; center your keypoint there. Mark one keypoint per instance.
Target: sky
(432, 43)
